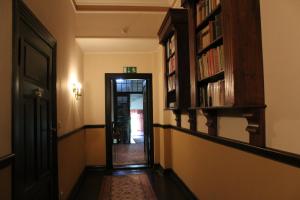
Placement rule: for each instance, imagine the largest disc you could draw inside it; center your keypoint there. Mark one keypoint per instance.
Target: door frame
(108, 110)
(21, 12)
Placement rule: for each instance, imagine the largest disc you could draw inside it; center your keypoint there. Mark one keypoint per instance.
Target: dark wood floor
(163, 185)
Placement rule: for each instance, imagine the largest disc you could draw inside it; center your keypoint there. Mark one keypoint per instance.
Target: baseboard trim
(75, 190)
(95, 168)
(6, 160)
(177, 180)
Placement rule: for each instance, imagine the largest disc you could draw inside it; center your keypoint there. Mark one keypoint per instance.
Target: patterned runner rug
(129, 187)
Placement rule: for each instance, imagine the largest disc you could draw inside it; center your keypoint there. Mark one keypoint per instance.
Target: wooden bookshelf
(239, 35)
(173, 35)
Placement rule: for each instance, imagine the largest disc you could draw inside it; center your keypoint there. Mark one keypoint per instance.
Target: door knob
(38, 92)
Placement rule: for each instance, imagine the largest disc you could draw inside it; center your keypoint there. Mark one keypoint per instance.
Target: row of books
(210, 33)
(170, 46)
(171, 83)
(204, 8)
(213, 95)
(211, 63)
(171, 65)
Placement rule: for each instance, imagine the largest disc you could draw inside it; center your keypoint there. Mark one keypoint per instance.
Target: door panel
(122, 117)
(34, 146)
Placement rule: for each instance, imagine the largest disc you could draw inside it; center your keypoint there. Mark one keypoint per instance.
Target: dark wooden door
(146, 120)
(122, 117)
(35, 134)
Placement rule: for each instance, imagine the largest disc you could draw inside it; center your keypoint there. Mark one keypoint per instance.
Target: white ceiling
(162, 3)
(107, 45)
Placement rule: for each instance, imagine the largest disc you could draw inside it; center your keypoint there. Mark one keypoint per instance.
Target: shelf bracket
(178, 117)
(193, 120)
(212, 122)
(256, 126)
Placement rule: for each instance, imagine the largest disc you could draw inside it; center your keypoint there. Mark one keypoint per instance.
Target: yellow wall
(281, 68)
(95, 148)
(5, 75)
(71, 162)
(213, 171)
(95, 67)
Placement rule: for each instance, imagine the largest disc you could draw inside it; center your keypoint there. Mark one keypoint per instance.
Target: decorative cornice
(118, 8)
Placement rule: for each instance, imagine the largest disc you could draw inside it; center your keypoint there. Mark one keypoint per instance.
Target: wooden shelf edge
(229, 107)
(210, 46)
(175, 108)
(171, 74)
(171, 56)
(217, 76)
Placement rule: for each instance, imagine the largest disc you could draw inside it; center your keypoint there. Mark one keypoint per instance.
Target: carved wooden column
(193, 120)
(212, 122)
(256, 126)
(178, 117)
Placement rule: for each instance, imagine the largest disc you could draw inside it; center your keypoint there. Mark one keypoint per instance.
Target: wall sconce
(77, 90)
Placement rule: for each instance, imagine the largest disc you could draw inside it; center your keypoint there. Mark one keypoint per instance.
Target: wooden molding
(65, 135)
(94, 126)
(6, 160)
(116, 8)
(273, 154)
(68, 134)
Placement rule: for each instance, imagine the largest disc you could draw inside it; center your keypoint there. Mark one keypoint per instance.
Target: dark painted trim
(94, 126)
(162, 126)
(172, 175)
(75, 190)
(273, 154)
(68, 134)
(184, 188)
(95, 168)
(6, 160)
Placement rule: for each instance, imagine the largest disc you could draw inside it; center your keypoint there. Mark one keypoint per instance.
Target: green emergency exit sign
(130, 69)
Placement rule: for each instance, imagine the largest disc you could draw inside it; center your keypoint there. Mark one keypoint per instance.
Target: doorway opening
(129, 120)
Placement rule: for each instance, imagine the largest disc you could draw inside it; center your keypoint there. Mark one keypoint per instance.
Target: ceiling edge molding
(173, 4)
(109, 8)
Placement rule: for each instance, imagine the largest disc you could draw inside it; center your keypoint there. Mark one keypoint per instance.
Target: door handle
(38, 92)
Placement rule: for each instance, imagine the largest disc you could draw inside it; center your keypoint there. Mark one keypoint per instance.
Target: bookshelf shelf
(208, 18)
(171, 56)
(215, 43)
(173, 35)
(214, 78)
(226, 63)
(171, 74)
(229, 108)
